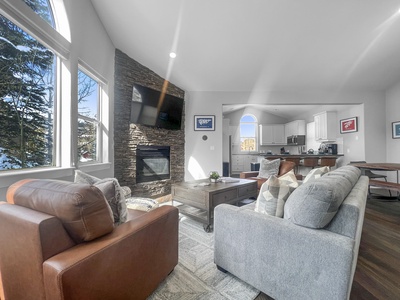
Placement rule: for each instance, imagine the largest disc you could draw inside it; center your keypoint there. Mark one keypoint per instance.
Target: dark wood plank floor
(377, 274)
(378, 268)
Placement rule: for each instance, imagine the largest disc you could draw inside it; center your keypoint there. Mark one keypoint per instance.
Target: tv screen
(152, 108)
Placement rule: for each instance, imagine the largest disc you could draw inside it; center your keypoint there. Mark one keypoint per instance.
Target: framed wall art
(396, 130)
(204, 123)
(348, 125)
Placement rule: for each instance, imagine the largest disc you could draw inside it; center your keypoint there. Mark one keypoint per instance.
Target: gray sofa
(310, 253)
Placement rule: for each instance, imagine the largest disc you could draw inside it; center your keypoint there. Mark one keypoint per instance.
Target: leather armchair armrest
(248, 174)
(128, 263)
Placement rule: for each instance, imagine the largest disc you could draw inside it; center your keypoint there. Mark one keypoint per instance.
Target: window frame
(83, 67)
(255, 122)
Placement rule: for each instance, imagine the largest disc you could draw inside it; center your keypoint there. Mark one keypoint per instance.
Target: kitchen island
(248, 161)
(301, 156)
(306, 161)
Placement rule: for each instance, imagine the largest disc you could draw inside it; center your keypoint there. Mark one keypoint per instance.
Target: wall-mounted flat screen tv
(152, 108)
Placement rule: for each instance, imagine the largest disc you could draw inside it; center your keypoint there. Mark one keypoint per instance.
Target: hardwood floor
(377, 274)
(378, 267)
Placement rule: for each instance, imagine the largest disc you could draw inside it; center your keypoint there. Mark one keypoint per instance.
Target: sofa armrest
(248, 174)
(128, 263)
(282, 259)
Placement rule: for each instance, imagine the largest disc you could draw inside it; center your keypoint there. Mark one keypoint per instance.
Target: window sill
(94, 167)
(7, 178)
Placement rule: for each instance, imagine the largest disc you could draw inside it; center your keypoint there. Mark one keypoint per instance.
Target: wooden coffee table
(198, 201)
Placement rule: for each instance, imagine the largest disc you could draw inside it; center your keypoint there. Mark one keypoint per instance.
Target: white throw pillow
(315, 174)
(269, 168)
(274, 193)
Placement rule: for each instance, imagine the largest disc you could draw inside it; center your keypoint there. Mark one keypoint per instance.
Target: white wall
(353, 142)
(91, 44)
(200, 159)
(392, 115)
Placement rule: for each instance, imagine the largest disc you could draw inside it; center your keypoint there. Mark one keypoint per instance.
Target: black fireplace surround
(152, 163)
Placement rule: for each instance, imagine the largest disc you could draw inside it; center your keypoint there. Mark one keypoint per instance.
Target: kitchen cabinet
(237, 163)
(297, 127)
(242, 162)
(271, 134)
(325, 126)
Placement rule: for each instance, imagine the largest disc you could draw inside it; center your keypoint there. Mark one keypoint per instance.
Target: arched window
(248, 133)
(43, 9)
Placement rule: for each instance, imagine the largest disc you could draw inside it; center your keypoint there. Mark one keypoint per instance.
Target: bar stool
(310, 162)
(296, 161)
(327, 162)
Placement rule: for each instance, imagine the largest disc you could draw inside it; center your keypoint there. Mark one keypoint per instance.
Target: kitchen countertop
(300, 155)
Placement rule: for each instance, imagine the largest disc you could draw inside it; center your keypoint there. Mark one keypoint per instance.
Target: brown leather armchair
(60, 242)
(284, 167)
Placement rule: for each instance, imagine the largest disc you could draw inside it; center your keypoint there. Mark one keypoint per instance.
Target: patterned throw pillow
(269, 168)
(114, 194)
(140, 203)
(315, 174)
(274, 193)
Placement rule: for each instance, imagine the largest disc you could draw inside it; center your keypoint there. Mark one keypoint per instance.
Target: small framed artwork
(204, 123)
(396, 130)
(348, 125)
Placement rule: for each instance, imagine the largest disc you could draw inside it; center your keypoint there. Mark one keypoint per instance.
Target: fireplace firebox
(152, 163)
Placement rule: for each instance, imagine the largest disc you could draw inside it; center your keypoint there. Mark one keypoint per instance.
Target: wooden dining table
(383, 167)
(380, 167)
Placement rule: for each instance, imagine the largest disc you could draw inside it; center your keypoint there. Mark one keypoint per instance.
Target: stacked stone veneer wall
(128, 136)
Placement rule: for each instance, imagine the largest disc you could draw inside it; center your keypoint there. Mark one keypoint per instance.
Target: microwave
(296, 140)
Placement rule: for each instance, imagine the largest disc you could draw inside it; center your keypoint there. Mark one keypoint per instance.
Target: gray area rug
(196, 276)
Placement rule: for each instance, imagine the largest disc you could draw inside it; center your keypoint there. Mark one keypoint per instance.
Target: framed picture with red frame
(348, 125)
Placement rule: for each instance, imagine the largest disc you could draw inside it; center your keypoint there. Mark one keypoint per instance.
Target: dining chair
(370, 174)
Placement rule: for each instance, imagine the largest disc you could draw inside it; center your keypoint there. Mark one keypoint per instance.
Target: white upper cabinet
(271, 134)
(297, 127)
(325, 126)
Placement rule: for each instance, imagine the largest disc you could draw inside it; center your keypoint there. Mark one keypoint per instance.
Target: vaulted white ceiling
(248, 45)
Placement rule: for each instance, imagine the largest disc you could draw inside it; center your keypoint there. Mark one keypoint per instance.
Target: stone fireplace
(152, 163)
(129, 138)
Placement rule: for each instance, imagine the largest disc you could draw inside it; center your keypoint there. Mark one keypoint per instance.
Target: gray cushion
(315, 203)
(350, 172)
(114, 194)
(269, 168)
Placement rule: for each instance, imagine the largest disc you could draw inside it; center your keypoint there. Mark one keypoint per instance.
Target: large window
(248, 133)
(42, 124)
(27, 81)
(88, 120)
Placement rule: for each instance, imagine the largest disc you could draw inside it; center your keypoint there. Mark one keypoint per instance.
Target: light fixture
(172, 55)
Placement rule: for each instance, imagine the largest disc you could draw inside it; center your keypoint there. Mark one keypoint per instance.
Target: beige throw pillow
(269, 168)
(315, 174)
(274, 193)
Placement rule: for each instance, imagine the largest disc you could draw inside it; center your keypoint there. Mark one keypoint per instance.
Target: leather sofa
(59, 241)
(284, 167)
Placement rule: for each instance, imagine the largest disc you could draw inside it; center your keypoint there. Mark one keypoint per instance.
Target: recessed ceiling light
(172, 55)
